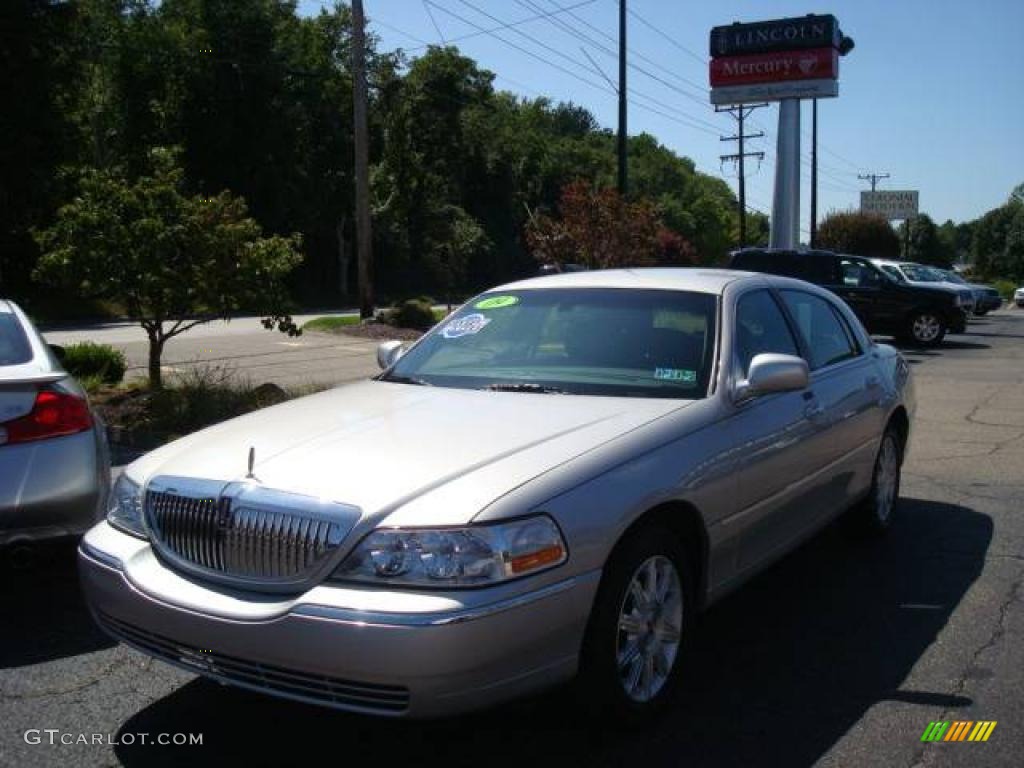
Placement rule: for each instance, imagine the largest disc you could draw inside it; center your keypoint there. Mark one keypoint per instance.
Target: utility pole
(364, 242)
(874, 178)
(814, 174)
(622, 98)
(741, 112)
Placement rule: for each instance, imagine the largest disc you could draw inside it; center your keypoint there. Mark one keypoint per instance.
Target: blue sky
(933, 93)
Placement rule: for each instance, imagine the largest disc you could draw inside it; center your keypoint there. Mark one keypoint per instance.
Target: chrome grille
(292, 684)
(244, 531)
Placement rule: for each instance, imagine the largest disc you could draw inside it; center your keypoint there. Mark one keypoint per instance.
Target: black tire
(924, 328)
(875, 514)
(601, 685)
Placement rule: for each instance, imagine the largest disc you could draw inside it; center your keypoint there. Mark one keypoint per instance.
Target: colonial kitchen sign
(890, 203)
(779, 35)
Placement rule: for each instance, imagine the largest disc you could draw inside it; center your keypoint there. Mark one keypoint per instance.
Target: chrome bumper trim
(99, 557)
(382, 619)
(319, 612)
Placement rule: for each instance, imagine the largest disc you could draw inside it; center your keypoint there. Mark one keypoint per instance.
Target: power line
(433, 21)
(684, 116)
(669, 38)
(507, 25)
(665, 110)
(701, 89)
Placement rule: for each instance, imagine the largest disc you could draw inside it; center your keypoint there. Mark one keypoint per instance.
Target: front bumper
(51, 488)
(411, 663)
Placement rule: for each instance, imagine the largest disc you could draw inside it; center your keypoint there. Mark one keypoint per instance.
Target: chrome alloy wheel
(649, 628)
(886, 478)
(926, 328)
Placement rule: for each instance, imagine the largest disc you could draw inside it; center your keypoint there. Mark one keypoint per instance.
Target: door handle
(814, 411)
(871, 382)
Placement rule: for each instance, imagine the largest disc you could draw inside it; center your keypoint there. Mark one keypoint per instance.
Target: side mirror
(388, 353)
(59, 352)
(770, 373)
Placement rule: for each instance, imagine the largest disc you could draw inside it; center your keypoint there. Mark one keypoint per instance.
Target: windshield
(949, 276)
(919, 274)
(578, 341)
(894, 273)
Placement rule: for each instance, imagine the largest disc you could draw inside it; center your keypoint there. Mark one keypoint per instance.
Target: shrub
(1005, 288)
(87, 360)
(414, 313)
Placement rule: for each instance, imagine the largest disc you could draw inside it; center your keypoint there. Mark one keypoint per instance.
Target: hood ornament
(252, 461)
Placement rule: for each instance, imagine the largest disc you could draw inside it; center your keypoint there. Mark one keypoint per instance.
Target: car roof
(698, 279)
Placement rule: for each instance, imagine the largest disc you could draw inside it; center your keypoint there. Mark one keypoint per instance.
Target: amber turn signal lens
(538, 559)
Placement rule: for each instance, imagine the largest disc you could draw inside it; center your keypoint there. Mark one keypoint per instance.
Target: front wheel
(638, 630)
(926, 329)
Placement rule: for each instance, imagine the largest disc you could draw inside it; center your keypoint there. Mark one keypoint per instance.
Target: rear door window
(824, 333)
(14, 346)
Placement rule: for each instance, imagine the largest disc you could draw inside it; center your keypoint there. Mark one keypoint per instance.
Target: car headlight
(455, 557)
(124, 511)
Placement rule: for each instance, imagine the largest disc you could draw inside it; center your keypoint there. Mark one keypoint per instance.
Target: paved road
(244, 347)
(838, 656)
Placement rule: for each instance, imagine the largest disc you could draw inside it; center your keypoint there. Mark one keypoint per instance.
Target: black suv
(912, 313)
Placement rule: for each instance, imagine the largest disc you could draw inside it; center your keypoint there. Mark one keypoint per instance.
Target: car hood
(418, 454)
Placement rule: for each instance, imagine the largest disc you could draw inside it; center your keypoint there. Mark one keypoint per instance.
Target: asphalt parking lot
(840, 655)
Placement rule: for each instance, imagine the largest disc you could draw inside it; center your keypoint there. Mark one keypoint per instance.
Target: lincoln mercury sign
(776, 60)
(779, 35)
(890, 203)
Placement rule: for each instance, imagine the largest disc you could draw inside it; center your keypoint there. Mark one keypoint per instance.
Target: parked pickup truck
(916, 314)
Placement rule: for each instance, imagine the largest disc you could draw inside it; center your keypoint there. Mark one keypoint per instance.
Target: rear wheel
(925, 328)
(876, 512)
(638, 630)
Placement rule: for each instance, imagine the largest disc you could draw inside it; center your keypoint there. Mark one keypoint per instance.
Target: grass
(330, 324)
(335, 323)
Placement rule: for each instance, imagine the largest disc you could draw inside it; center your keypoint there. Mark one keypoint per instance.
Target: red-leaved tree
(600, 229)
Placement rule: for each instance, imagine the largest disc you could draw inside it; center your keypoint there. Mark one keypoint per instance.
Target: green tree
(172, 260)
(988, 244)
(1012, 261)
(858, 233)
(39, 66)
(924, 245)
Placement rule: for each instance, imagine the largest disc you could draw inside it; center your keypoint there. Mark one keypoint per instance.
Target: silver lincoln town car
(553, 482)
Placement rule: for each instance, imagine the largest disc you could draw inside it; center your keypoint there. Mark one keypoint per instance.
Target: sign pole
(786, 202)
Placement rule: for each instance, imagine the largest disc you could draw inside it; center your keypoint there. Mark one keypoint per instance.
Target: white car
(551, 482)
(919, 274)
(1018, 297)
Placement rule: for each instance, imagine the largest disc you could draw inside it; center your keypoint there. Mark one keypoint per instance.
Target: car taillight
(53, 414)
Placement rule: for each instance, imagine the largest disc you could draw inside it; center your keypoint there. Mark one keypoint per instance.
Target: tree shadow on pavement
(44, 613)
(779, 672)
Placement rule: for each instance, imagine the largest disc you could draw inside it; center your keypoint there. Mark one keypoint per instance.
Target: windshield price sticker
(496, 302)
(465, 326)
(675, 374)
